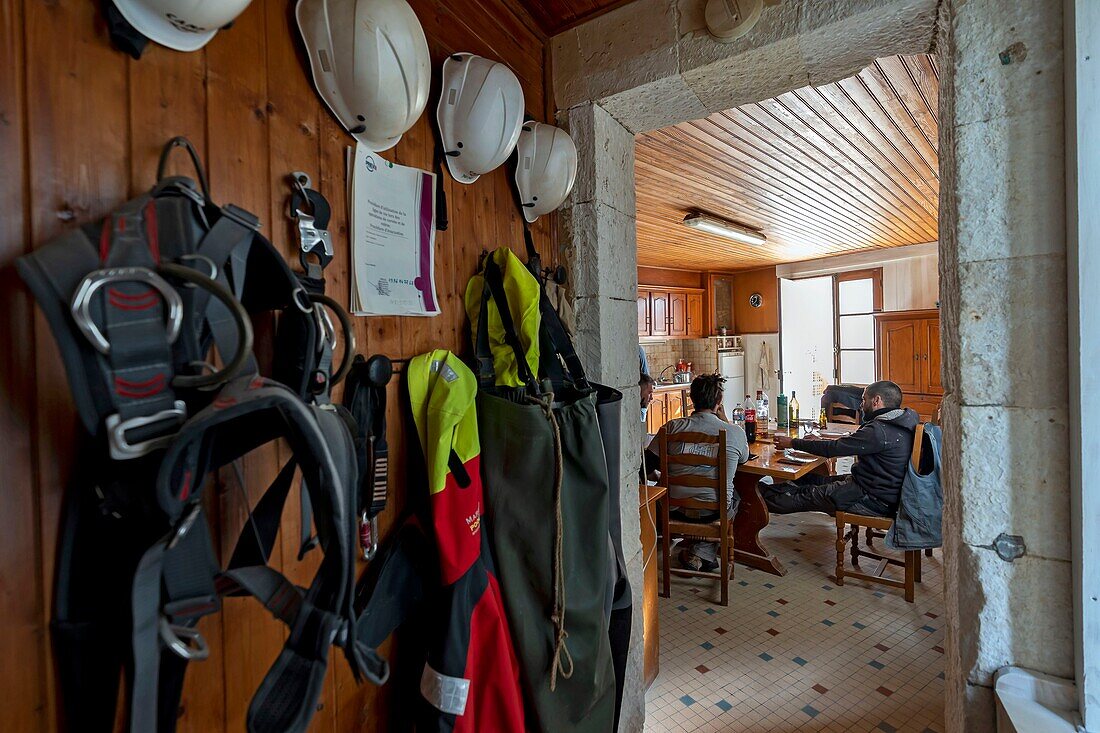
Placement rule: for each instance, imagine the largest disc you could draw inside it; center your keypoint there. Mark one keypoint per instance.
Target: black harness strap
(365, 400)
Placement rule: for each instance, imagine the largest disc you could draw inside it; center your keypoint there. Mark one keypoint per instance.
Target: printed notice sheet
(392, 237)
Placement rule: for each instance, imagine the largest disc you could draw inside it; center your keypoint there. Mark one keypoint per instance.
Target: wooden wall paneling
(78, 170)
(845, 167)
(807, 164)
(759, 159)
(93, 131)
(764, 319)
(670, 278)
(910, 194)
(293, 118)
(715, 161)
(167, 98)
(238, 151)
(22, 635)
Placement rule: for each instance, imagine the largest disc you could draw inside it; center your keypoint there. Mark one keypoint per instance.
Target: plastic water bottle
(761, 413)
(739, 416)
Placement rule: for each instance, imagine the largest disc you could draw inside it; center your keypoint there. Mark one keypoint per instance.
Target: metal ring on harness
(349, 334)
(240, 317)
(184, 641)
(93, 281)
(212, 269)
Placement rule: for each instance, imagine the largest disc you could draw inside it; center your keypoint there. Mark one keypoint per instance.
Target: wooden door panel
(643, 313)
(658, 308)
(695, 327)
(899, 354)
(930, 359)
(675, 405)
(677, 314)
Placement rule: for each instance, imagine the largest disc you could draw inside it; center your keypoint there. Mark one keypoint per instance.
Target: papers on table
(392, 216)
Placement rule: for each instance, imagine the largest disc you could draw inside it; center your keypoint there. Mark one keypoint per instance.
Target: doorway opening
(839, 184)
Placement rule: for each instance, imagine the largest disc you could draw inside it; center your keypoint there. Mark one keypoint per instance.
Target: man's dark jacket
(883, 444)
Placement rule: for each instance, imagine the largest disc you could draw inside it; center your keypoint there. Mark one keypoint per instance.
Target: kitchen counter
(666, 386)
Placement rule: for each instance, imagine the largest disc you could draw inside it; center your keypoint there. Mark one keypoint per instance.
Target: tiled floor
(797, 652)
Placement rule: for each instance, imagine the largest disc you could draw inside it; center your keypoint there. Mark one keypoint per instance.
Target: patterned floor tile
(874, 665)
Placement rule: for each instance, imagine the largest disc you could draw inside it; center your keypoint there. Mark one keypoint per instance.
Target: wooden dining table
(753, 515)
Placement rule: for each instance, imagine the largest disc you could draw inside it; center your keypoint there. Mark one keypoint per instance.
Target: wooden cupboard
(695, 327)
(675, 313)
(669, 403)
(907, 344)
(658, 314)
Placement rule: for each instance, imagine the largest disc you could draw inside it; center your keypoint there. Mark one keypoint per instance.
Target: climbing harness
(136, 303)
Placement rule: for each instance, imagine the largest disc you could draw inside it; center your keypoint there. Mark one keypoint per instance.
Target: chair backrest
(923, 463)
(833, 413)
(686, 457)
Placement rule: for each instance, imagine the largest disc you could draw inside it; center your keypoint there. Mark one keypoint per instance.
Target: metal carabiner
(368, 536)
(186, 642)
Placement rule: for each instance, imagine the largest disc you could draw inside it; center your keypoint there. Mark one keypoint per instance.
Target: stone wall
(1002, 267)
(1003, 284)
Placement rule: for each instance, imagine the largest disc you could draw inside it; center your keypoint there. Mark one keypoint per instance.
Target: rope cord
(563, 660)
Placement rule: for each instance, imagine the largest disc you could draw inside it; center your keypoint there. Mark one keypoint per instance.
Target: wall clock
(756, 300)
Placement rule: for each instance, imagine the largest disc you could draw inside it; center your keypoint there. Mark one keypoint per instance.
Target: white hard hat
(370, 64)
(480, 113)
(184, 25)
(546, 168)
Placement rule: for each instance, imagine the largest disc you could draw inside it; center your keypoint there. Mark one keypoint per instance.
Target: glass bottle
(792, 418)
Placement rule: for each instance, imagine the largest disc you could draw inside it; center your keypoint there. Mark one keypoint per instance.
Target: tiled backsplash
(700, 352)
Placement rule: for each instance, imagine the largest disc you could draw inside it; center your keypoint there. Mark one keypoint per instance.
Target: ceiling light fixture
(723, 228)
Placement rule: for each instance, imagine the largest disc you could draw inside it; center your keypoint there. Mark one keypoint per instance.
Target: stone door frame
(650, 64)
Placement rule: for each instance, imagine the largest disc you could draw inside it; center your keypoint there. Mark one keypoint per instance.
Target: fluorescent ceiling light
(723, 228)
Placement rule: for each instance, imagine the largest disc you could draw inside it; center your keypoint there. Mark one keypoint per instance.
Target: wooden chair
(876, 525)
(833, 414)
(719, 530)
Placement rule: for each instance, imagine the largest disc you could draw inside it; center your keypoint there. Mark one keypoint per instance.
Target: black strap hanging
(365, 399)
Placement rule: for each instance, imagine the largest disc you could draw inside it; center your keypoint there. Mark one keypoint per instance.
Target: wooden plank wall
(764, 319)
(81, 126)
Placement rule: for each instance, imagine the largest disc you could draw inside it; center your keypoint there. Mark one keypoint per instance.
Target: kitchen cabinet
(907, 345)
(671, 312)
(658, 314)
(695, 327)
(657, 414)
(643, 313)
(720, 302)
(677, 314)
(670, 401)
(674, 405)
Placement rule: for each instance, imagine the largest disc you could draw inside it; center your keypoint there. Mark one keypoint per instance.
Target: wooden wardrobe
(908, 347)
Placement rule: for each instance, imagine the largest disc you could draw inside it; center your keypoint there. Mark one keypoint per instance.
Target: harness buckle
(185, 642)
(93, 281)
(122, 449)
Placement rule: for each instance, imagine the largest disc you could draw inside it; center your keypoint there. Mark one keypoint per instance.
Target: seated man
(882, 446)
(706, 395)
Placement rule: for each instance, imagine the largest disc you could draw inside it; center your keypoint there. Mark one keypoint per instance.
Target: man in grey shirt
(706, 396)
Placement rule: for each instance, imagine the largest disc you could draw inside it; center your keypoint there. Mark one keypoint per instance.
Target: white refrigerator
(731, 365)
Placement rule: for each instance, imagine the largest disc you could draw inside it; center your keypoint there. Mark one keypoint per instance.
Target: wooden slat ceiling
(821, 171)
(555, 16)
